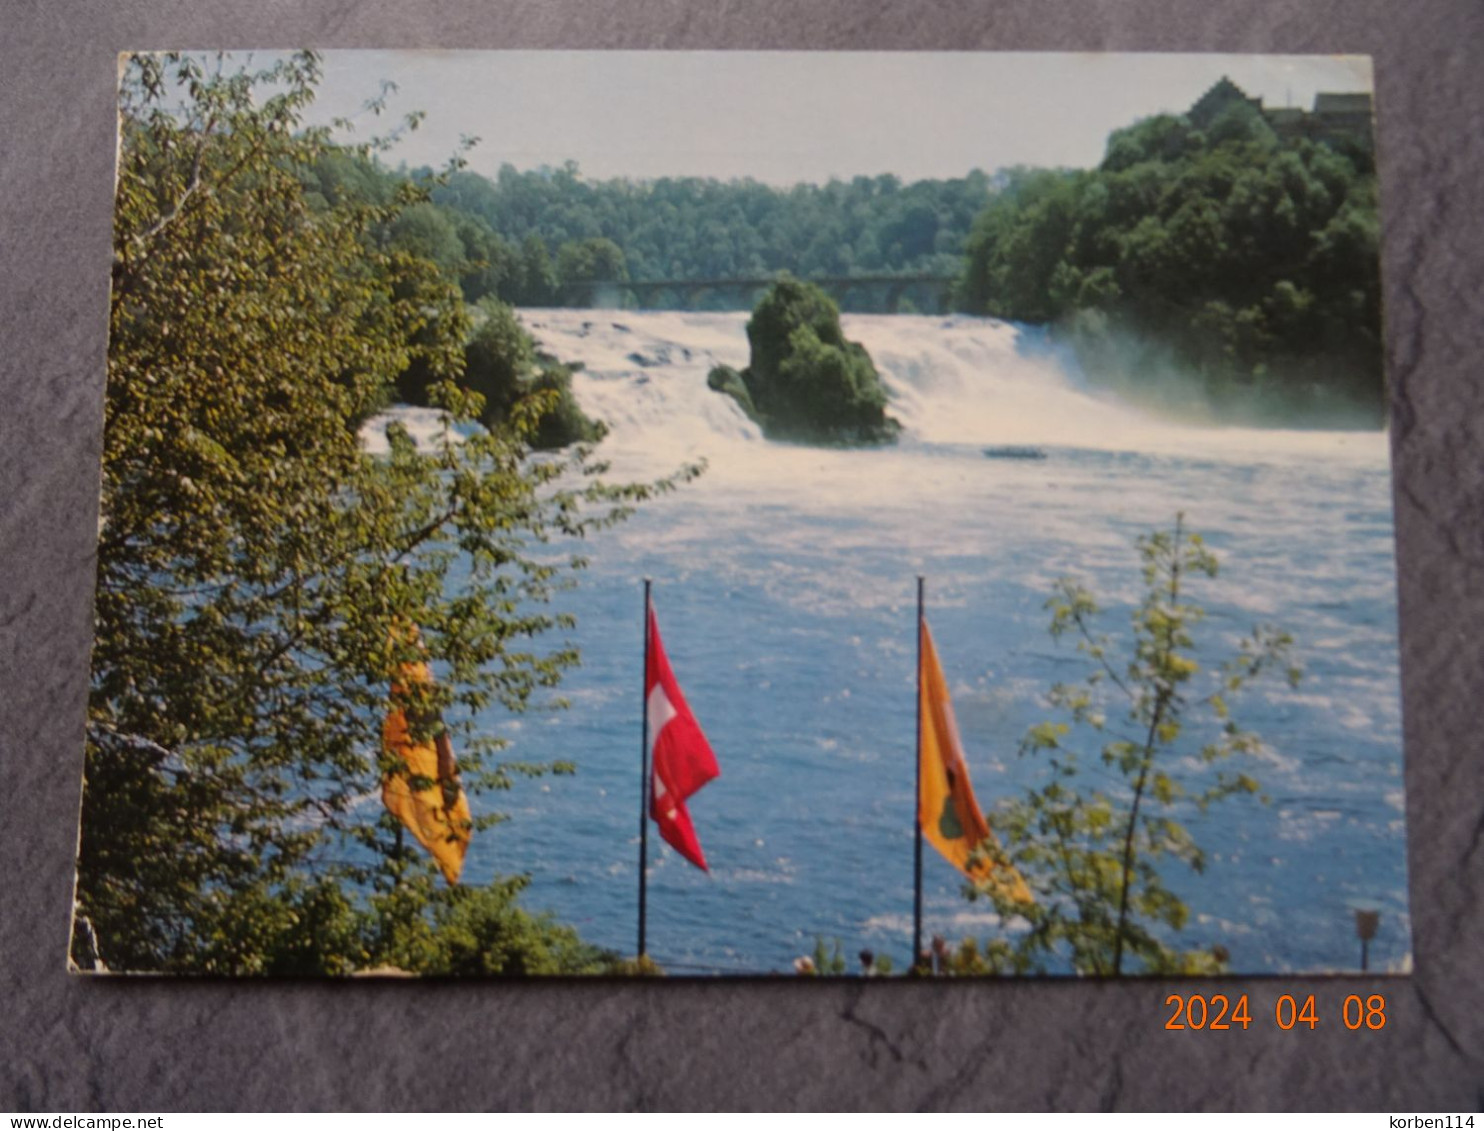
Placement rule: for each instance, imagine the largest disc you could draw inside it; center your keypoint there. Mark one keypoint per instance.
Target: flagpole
(917, 799)
(644, 777)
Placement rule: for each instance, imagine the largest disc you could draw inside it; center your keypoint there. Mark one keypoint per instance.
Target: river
(784, 587)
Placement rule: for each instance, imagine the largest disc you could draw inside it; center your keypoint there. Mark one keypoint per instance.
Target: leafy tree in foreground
(253, 560)
(1092, 854)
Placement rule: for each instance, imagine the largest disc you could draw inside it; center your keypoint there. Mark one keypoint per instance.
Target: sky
(790, 117)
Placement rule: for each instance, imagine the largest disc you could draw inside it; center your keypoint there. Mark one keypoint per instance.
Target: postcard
(744, 514)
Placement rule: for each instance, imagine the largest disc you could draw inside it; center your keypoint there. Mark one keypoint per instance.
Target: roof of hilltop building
(1342, 103)
(1222, 94)
(1334, 117)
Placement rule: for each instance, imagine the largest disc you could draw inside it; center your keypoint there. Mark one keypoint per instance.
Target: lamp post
(1366, 922)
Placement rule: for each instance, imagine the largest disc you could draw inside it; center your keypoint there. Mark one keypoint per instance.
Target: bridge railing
(854, 293)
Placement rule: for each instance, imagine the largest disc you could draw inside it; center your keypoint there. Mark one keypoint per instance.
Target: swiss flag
(680, 758)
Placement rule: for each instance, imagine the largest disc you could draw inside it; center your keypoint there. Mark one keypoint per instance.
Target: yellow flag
(949, 815)
(423, 790)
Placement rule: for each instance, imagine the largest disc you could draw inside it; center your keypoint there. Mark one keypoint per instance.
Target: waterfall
(955, 380)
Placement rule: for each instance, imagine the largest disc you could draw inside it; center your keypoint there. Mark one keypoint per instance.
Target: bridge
(875, 293)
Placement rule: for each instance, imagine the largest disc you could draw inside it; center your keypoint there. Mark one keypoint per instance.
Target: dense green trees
(501, 362)
(806, 382)
(677, 228)
(591, 269)
(503, 366)
(253, 560)
(1204, 245)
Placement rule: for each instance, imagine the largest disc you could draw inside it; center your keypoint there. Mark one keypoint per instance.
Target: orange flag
(949, 815)
(423, 790)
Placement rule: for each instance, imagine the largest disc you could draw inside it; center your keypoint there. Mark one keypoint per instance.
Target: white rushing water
(785, 591)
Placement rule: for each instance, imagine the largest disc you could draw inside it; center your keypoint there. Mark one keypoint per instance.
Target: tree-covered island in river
(806, 381)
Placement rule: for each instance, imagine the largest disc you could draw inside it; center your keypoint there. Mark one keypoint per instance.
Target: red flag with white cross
(680, 758)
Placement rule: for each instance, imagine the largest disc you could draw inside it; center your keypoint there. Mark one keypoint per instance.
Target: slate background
(70, 1044)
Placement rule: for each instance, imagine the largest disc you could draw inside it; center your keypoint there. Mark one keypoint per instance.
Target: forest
(1204, 245)
(540, 238)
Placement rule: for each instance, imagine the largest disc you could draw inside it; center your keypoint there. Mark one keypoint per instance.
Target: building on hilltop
(1222, 94)
(1335, 118)
(1342, 116)
(1288, 122)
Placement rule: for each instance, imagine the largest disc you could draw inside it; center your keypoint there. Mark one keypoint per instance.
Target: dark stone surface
(73, 1044)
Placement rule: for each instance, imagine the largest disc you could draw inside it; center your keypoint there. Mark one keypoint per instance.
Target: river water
(784, 587)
